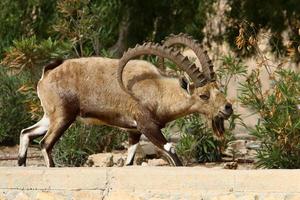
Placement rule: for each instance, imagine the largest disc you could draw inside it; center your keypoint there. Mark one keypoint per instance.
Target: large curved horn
(186, 40)
(149, 48)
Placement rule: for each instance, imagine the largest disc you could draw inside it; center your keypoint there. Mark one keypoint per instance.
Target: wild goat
(138, 99)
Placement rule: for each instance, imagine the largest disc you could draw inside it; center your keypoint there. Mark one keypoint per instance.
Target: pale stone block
(225, 197)
(118, 195)
(87, 195)
(273, 197)
(21, 196)
(49, 196)
(293, 197)
(248, 197)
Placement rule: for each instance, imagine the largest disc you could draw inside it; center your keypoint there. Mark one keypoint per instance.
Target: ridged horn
(186, 40)
(162, 51)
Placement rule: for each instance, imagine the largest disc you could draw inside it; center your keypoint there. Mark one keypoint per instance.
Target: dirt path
(8, 156)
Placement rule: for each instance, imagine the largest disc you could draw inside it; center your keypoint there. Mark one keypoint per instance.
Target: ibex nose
(228, 108)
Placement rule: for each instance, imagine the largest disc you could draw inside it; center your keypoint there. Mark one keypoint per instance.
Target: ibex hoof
(22, 161)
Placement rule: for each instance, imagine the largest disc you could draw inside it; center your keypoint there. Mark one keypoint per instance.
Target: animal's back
(90, 86)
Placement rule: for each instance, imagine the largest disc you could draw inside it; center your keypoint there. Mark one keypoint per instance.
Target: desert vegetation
(35, 32)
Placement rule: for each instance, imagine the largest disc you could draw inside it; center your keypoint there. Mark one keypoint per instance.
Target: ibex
(137, 98)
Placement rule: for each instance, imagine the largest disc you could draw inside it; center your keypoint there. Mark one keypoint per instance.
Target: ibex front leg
(152, 131)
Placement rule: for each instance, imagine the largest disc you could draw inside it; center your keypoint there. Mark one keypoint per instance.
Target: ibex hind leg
(133, 140)
(57, 127)
(153, 133)
(28, 134)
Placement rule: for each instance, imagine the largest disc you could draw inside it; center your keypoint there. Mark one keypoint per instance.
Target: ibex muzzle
(138, 99)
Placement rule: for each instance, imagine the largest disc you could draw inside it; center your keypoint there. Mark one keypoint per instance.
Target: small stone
(144, 164)
(100, 160)
(157, 162)
(230, 165)
(49, 196)
(253, 145)
(119, 158)
(120, 162)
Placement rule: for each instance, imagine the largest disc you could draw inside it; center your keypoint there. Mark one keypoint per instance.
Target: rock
(106, 159)
(119, 158)
(148, 149)
(230, 165)
(243, 151)
(244, 136)
(144, 164)
(236, 148)
(120, 162)
(100, 160)
(253, 145)
(139, 156)
(157, 162)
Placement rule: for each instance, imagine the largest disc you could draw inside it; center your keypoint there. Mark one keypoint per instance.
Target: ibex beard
(88, 89)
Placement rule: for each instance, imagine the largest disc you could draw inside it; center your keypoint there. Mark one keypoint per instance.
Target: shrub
(197, 141)
(13, 115)
(29, 55)
(80, 140)
(279, 125)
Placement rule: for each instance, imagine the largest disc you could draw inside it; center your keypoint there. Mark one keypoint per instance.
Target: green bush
(13, 115)
(197, 142)
(80, 140)
(30, 55)
(278, 128)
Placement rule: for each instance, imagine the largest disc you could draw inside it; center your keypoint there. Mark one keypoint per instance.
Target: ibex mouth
(224, 115)
(218, 126)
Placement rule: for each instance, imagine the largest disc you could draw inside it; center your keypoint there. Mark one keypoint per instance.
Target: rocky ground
(8, 156)
(240, 154)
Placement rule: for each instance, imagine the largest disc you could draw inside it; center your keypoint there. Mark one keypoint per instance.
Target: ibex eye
(204, 97)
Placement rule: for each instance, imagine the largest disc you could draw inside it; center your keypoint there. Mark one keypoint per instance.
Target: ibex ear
(185, 84)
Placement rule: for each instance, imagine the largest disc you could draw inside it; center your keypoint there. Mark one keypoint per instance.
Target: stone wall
(141, 183)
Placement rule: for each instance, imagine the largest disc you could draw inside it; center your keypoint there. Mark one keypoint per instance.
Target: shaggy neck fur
(182, 102)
